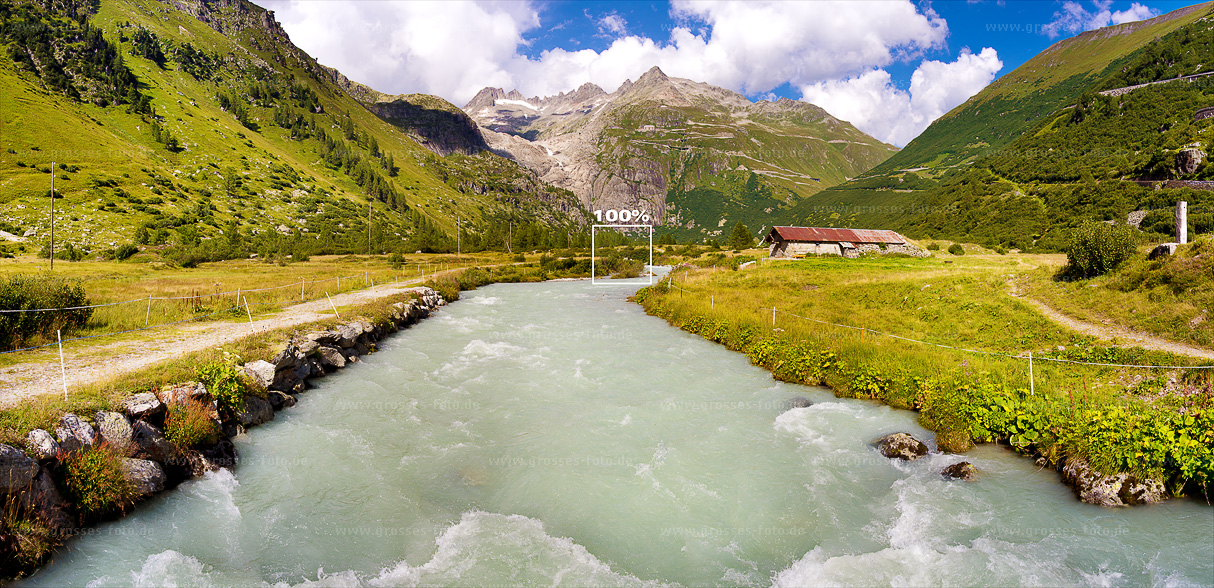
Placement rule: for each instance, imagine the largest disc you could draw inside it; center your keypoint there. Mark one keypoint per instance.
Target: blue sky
(888, 66)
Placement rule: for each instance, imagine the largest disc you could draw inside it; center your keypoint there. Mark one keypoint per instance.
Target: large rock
(324, 337)
(42, 444)
(288, 357)
(280, 400)
(114, 429)
(256, 411)
(962, 470)
(185, 391)
(1094, 487)
(17, 470)
(42, 499)
(901, 446)
(146, 476)
(800, 402)
(349, 334)
(288, 381)
(150, 443)
(1188, 160)
(331, 357)
(143, 406)
(1163, 250)
(307, 348)
(74, 434)
(261, 371)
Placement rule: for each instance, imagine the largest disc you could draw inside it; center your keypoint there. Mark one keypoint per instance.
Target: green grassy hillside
(192, 131)
(1092, 157)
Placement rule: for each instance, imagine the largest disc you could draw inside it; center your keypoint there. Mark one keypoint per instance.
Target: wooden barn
(794, 242)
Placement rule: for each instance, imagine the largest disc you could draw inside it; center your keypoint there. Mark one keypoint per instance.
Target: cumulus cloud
(455, 48)
(1074, 18)
(876, 106)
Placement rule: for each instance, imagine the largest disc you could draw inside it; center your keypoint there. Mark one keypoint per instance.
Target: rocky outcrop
(1094, 487)
(1188, 160)
(74, 434)
(144, 475)
(901, 446)
(115, 430)
(143, 406)
(17, 470)
(41, 445)
(433, 122)
(962, 470)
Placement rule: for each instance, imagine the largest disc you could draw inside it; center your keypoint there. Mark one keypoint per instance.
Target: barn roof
(833, 235)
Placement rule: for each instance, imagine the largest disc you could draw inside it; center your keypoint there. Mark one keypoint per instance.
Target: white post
(250, 313)
(332, 305)
(773, 316)
(712, 302)
(53, 219)
(301, 288)
(147, 318)
(62, 369)
(1032, 387)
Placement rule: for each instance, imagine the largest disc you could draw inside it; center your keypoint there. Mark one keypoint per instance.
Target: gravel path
(98, 363)
(1111, 333)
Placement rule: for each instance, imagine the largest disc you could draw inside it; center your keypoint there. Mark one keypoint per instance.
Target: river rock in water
(1094, 487)
(800, 402)
(901, 446)
(144, 475)
(962, 470)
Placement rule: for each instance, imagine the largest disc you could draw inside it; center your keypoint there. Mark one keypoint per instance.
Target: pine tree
(741, 238)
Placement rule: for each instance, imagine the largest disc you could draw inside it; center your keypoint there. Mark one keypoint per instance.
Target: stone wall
(150, 462)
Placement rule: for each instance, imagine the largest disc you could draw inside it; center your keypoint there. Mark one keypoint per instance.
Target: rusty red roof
(833, 235)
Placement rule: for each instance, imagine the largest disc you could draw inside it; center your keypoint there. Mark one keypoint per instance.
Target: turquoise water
(553, 434)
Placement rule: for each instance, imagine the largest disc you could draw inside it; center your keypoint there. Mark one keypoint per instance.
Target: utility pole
(368, 225)
(510, 239)
(458, 250)
(52, 216)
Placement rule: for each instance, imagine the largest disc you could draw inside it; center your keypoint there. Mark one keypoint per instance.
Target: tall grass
(31, 292)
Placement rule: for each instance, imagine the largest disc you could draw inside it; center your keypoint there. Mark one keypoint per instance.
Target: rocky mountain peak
(655, 75)
(515, 95)
(484, 99)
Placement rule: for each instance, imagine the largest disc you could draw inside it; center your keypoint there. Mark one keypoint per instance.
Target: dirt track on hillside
(95, 364)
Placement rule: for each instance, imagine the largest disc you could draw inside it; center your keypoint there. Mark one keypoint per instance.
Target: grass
(1170, 298)
(965, 397)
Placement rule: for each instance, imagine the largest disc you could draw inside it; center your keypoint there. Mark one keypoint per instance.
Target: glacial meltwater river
(553, 434)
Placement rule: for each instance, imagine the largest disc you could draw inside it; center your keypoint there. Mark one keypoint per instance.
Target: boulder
(41, 444)
(114, 429)
(143, 406)
(74, 434)
(307, 348)
(150, 443)
(207, 459)
(1188, 160)
(146, 476)
(181, 392)
(800, 402)
(324, 337)
(286, 358)
(1163, 250)
(901, 446)
(331, 357)
(287, 381)
(42, 499)
(261, 371)
(962, 470)
(280, 400)
(360, 349)
(348, 334)
(1094, 487)
(17, 470)
(256, 411)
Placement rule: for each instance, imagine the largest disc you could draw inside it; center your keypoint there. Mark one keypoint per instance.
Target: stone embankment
(31, 485)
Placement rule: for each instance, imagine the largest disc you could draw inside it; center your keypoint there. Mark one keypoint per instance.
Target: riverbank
(99, 464)
(1119, 435)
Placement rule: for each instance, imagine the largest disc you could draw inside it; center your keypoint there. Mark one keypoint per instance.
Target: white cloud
(872, 103)
(455, 48)
(1074, 18)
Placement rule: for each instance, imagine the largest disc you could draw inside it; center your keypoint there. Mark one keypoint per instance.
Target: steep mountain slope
(695, 157)
(1041, 150)
(196, 123)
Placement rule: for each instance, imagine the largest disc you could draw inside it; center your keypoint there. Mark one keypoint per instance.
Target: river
(553, 434)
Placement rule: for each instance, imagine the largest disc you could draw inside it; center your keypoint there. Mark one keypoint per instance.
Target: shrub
(93, 480)
(31, 292)
(956, 249)
(1096, 248)
(189, 424)
(224, 383)
(933, 246)
(447, 286)
(125, 251)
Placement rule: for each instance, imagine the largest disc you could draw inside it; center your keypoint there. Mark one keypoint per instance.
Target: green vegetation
(93, 481)
(1097, 248)
(28, 292)
(189, 424)
(31, 539)
(741, 238)
(956, 249)
(1164, 419)
(226, 384)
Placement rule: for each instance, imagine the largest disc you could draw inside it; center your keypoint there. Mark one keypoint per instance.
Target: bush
(933, 246)
(93, 481)
(1096, 248)
(447, 286)
(125, 251)
(223, 381)
(956, 249)
(32, 292)
(189, 424)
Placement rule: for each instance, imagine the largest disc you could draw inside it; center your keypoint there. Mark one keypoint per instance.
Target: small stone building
(795, 242)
